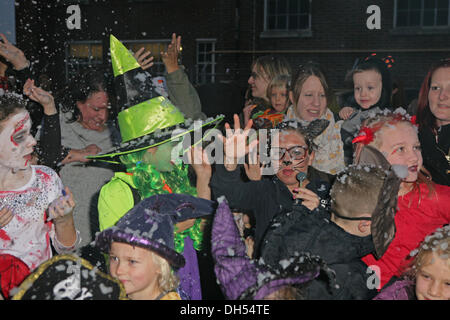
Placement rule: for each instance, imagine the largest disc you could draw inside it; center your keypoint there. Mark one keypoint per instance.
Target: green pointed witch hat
(146, 119)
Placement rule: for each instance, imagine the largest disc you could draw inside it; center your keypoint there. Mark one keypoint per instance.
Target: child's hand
(41, 96)
(60, 210)
(6, 216)
(142, 59)
(346, 112)
(310, 199)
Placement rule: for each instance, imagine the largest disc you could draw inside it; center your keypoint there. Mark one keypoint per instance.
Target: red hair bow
(365, 136)
(414, 120)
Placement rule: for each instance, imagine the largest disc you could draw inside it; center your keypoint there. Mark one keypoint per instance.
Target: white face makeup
(16, 141)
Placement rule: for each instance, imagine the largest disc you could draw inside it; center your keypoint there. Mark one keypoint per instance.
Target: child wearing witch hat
(141, 247)
(150, 126)
(242, 278)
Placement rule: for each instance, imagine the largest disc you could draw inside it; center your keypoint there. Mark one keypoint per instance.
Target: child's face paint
(136, 269)
(16, 142)
(279, 99)
(433, 279)
(400, 145)
(367, 88)
(286, 168)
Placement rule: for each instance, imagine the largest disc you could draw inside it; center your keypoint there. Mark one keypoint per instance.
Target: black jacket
(434, 153)
(300, 231)
(265, 198)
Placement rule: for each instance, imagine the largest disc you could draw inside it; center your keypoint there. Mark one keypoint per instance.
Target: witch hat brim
(243, 278)
(69, 277)
(149, 224)
(172, 133)
(383, 217)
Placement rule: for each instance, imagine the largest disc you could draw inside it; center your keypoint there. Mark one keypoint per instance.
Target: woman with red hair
(433, 117)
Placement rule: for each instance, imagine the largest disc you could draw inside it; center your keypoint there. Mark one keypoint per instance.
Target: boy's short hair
(356, 190)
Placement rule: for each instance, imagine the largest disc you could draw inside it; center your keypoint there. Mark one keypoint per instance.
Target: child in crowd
(421, 203)
(264, 70)
(428, 277)
(35, 206)
(360, 222)
(141, 245)
(242, 278)
(278, 93)
(372, 85)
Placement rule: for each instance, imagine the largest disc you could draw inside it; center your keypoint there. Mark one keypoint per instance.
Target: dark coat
(266, 198)
(299, 232)
(434, 153)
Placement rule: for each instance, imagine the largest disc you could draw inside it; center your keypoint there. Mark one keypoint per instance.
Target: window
(81, 55)
(84, 54)
(287, 15)
(422, 13)
(155, 47)
(206, 61)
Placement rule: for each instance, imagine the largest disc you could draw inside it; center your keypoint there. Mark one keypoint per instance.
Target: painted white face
(16, 141)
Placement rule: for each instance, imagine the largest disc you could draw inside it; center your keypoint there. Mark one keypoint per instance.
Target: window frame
(69, 60)
(266, 29)
(422, 12)
(208, 76)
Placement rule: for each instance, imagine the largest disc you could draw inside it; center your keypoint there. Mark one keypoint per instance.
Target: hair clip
(365, 136)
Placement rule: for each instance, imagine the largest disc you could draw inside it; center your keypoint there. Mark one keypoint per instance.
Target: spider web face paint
(16, 142)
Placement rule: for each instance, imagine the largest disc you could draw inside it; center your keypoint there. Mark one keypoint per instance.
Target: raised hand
(253, 170)
(143, 59)
(200, 162)
(170, 57)
(41, 96)
(235, 143)
(12, 53)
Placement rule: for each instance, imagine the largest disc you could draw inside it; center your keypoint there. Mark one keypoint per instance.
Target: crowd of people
(110, 173)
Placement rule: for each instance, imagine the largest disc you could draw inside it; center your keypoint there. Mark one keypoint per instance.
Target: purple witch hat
(243, 278)
(149, 224)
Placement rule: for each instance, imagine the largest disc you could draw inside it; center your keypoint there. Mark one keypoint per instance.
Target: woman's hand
(79, 155)
(13, 54)
(40, 96)
(6, 216)
(254, 168)
(308, 197)
(247, 111)
(200, 162)
(235, 143)
(142, 58)
(170, 57)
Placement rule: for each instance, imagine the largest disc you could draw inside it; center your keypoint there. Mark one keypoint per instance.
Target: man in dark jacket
(340, 237)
